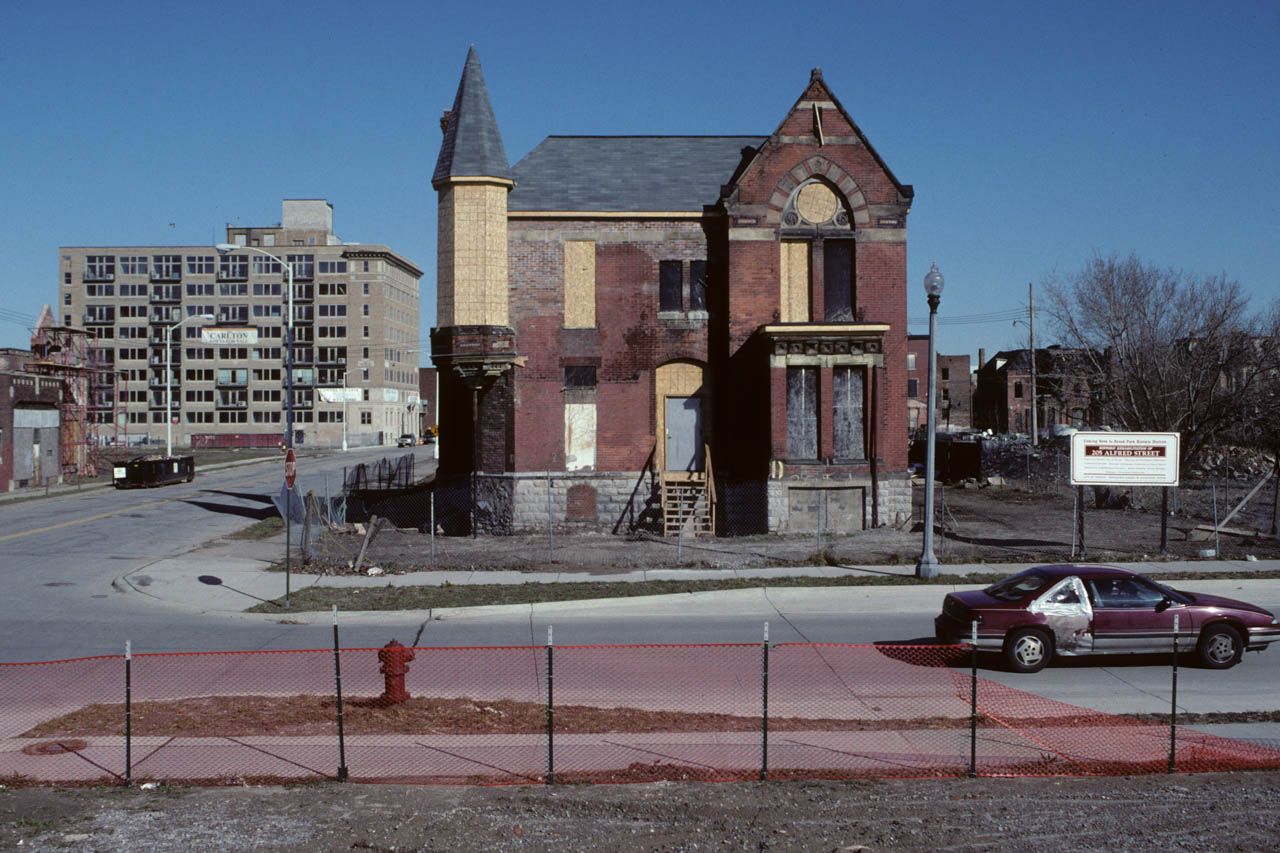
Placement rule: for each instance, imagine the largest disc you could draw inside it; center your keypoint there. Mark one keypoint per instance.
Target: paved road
(60, 555)
(61, 561)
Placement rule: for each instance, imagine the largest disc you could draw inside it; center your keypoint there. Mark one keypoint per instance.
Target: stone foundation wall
(626, 501)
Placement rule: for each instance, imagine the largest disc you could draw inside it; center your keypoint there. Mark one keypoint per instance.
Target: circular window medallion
(816, 202)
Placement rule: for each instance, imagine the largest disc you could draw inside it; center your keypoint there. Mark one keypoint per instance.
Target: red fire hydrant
(395, 664)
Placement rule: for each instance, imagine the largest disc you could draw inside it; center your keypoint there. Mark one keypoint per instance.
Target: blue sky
(1035, 134)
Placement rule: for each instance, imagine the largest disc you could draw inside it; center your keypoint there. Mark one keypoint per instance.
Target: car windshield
(1017, 587)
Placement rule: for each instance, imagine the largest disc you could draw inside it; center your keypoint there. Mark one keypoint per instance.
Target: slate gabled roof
(627, 173)
(472, 145)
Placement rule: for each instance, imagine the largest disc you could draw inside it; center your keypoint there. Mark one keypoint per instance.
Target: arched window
(817, 229)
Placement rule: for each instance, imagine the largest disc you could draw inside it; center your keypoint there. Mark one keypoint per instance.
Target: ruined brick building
(707, 331)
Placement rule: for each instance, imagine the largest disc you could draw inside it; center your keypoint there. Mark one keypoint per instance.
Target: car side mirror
(1163, 604)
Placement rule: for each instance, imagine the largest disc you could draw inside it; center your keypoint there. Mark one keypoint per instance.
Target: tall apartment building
(355, 323)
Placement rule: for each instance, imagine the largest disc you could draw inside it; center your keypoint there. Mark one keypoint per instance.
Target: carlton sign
(1124, 458)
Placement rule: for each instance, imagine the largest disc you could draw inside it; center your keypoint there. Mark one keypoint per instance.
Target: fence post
(551, 728)
(551, 542)
(764, 706)
(337, 682)
(1173, 702)
(822, 518)
(973, 699)
(433, 528)
(128, 713)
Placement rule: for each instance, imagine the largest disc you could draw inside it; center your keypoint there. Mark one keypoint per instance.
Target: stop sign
(290, 469)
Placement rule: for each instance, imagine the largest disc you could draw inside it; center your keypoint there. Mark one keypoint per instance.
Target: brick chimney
(982, 357)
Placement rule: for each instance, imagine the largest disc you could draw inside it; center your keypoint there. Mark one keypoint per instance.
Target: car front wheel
(1219, 647)
(1028, 650)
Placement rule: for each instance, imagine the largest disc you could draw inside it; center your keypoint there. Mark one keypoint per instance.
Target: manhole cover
(54, 747)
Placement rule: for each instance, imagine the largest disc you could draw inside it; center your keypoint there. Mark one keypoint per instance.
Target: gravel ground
(1205, 812)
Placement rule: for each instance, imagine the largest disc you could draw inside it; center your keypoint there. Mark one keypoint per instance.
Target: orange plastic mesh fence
(617, 714)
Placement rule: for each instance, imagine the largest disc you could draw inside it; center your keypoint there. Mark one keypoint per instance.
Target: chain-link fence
(566, 714)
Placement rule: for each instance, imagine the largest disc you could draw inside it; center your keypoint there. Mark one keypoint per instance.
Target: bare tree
(1169, 352)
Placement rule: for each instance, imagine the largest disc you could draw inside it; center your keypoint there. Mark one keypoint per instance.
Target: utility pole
(1031, 324)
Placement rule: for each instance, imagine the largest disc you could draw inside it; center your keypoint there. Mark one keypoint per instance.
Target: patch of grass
(427, 597)
(264, 529)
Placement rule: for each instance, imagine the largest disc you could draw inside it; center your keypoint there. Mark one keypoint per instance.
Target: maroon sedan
(1097, 610)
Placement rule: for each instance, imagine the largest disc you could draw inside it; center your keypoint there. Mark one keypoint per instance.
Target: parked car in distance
(407, 439)
(1070, 610)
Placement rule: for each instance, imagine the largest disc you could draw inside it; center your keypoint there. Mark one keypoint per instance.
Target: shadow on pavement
(255, 513)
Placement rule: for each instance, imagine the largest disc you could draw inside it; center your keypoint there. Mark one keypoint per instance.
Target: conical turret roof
(472, 145)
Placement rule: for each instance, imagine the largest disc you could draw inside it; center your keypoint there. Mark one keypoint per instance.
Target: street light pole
(224, 248)
(168, 378)
(927, 567)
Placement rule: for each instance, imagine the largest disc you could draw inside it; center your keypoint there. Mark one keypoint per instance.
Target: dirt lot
(987, 524)
(1205, 812)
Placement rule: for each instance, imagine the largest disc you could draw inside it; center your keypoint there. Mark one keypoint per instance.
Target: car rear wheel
(1219, 647)
(1028, 650)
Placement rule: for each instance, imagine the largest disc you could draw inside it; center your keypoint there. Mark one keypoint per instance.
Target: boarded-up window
(848, 388)
(670, 285)
(579, 284)
(837, 274)
(802, 412)
(794, 302)
(697, 285)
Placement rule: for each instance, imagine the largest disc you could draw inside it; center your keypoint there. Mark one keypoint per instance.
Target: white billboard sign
(1124, 458)
(229, 336)
(391, 395)
(334, 395)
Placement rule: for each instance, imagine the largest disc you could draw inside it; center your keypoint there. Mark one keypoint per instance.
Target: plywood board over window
(579, 284)
(579, 436)
(794, 300)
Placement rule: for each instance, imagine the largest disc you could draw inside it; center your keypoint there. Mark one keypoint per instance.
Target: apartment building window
(232, 417)
(1017, 390)
(267, 289)
(266, 417)
(233, 314)
(333, 288)
(911, 362)
(201, 353)
(204, 395)
(238, 288)
(101, 290)
(270, 332)
(332, 331)
(335, 310)
(202, 374)
(262, 265)
(364, 331)
(364, 352)
(265, 375)
(166, 267)
(365, 286)
(945, 374)
(272, 310)
(233, 267)
(802, 412)
(200, 289)
(200, 264)
(100, 313)
(199, 417)
(132, 290)
(99, 267)
(304, 266)
(837, 285)
(364, 374)
(366, 418)
(266, 353)
(233, 353)
(913, 387)
(332, 267)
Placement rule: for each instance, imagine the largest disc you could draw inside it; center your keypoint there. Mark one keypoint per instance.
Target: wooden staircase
(688, 501)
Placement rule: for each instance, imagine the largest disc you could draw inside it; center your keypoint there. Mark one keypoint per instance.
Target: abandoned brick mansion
(706, 332)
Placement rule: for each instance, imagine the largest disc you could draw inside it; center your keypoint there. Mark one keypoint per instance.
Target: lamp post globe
(927, 567)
